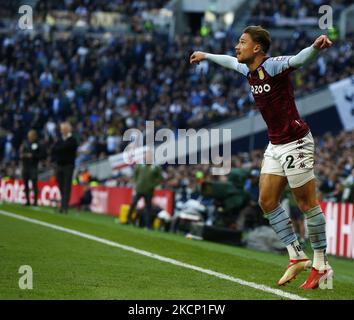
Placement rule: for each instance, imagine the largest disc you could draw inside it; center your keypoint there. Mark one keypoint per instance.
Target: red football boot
(316, 277)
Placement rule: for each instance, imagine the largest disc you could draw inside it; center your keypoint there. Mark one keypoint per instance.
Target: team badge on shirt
(260, 73)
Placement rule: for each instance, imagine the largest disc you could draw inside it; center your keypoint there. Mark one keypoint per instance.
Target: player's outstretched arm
(308, 54)
(220, 59)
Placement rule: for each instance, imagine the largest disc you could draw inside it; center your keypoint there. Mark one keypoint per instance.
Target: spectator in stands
(8, 148)
(328, 186)
(291, 13)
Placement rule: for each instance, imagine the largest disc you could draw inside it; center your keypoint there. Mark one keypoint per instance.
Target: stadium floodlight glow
(166, 13)
(209, 17)
(229, 18)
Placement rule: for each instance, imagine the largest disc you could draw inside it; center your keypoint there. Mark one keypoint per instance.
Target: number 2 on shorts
(291, 160)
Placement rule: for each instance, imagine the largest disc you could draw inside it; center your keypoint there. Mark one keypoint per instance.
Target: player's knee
(267, 204)
(306, 205)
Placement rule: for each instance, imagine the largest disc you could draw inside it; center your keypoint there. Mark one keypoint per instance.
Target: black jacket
(31, 154)
(64, 151)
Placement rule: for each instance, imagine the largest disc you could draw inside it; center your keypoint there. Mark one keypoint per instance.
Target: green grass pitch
(66, 266)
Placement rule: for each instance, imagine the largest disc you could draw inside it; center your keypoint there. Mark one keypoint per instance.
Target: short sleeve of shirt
(278, 65)
(242, 68)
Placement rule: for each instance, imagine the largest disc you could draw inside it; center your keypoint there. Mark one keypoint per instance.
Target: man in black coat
(64, 154)
(31, 152)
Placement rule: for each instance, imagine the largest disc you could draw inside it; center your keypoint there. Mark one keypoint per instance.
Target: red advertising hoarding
(339, 228)
(106, 200)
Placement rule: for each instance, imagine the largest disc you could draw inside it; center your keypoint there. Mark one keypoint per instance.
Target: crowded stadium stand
(289, 14)
(108, 66)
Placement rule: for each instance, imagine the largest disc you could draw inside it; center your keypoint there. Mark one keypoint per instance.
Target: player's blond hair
(259, 35)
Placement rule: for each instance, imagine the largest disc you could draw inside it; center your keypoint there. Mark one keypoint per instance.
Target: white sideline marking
(253, 285)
